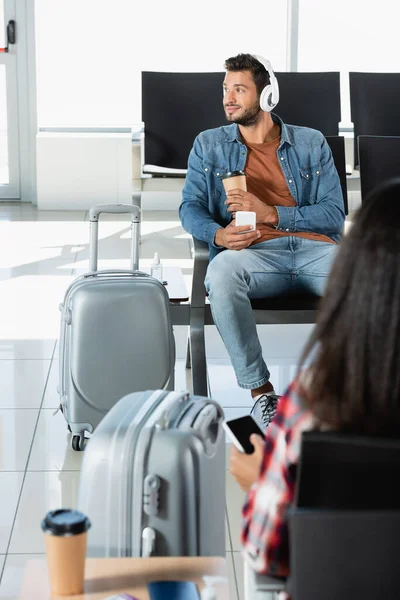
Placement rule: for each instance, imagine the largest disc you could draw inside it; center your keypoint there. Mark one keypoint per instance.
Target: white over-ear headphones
(269, 97)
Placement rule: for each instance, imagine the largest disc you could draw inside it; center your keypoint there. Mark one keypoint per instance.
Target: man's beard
(249, 117)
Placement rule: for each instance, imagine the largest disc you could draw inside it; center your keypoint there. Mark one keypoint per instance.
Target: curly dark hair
(355, 347)
(247, 62)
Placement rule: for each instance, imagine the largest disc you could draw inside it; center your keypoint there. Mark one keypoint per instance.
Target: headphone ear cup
(266, 99)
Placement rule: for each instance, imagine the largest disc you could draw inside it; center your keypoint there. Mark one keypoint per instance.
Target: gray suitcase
(116, 335)
(153, 478)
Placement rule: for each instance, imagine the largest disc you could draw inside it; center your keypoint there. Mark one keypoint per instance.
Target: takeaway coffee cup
(234, 180)
(65, 538)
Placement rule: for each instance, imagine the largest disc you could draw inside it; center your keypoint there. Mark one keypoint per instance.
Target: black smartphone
(239, 431)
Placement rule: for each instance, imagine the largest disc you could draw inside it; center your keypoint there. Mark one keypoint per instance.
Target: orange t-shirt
(265, 179)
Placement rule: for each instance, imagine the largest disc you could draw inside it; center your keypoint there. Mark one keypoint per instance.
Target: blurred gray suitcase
(152, 479)
(116, 335)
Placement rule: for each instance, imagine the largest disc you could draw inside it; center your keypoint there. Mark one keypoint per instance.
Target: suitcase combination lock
(151, 495)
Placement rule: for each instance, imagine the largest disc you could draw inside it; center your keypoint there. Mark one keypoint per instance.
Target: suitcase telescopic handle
(94, 215)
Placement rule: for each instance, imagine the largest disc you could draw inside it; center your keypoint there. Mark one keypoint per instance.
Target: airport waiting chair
(374, 105)
(176, 107)
(379, 160)
(310, 100)
(344, 529)
(292, 309)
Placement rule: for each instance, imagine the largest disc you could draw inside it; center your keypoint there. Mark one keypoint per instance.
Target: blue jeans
(279, 266)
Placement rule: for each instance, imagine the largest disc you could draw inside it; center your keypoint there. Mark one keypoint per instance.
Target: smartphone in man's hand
(246, 217)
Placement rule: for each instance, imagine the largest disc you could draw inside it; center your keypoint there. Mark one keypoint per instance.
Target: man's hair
(355, 375)
(247, 62)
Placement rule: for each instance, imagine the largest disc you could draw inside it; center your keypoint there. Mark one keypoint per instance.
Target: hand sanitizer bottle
(156, 268)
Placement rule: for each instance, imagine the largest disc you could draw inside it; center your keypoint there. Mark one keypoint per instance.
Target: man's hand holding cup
(240, 200)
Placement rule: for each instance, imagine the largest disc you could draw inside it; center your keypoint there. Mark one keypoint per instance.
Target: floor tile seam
(26, 464)
(12, 470)
(231, 552)
(50, 470)
(234, 574)
(20, 408)
(51, 362)
(266, 358)
(23, 553)
(50, 358)
(12, 525)
(229, 526)
(234, 549)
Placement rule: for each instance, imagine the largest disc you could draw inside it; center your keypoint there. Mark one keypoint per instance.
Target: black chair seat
(287, 302)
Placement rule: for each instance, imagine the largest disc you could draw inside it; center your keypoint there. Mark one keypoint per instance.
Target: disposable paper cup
(234, 180)
(65, 539)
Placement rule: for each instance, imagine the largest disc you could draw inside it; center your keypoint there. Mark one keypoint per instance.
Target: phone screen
(242, 428)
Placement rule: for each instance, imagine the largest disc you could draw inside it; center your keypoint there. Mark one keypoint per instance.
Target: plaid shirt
(265, 528)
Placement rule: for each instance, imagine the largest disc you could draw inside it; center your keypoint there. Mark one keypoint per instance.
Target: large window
(349, 35)
(90, 54)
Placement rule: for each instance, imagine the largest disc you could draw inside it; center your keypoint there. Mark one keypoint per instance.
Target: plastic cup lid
(65, 521)
(233, 174)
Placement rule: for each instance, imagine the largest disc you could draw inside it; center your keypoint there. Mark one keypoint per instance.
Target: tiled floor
(40, 253)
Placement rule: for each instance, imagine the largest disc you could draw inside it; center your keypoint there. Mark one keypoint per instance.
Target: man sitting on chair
(294, 189)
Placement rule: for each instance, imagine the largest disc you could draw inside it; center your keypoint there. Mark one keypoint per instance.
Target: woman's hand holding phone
(246, 467)
(247, 449)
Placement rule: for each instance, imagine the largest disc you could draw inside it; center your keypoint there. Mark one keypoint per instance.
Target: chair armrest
(201, 258)
(260, 587)
(264, 583)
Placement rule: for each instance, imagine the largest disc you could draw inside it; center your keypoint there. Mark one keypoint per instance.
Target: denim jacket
(307, 164)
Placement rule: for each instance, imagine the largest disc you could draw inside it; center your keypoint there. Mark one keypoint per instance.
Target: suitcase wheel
(78, 442)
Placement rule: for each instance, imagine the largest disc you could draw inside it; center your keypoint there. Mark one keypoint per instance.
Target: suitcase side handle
(94, 214)
(208, 425)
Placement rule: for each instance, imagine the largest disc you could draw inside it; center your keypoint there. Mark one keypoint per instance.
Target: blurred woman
(352, 384)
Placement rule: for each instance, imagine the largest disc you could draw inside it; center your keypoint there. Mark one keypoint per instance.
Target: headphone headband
(269, 97)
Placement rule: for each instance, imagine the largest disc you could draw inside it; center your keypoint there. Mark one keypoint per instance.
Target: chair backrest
(337, 146)
(338, 471)
(344, 555)
(379, 160)
(176, 107)
(374, 105)
(310, 100)
(345, 528)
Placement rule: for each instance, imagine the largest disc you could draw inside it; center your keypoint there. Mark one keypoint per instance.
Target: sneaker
(264, 409)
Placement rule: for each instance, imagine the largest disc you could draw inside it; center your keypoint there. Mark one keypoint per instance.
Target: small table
(178, 295)
(176, 287)
(110, 576)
